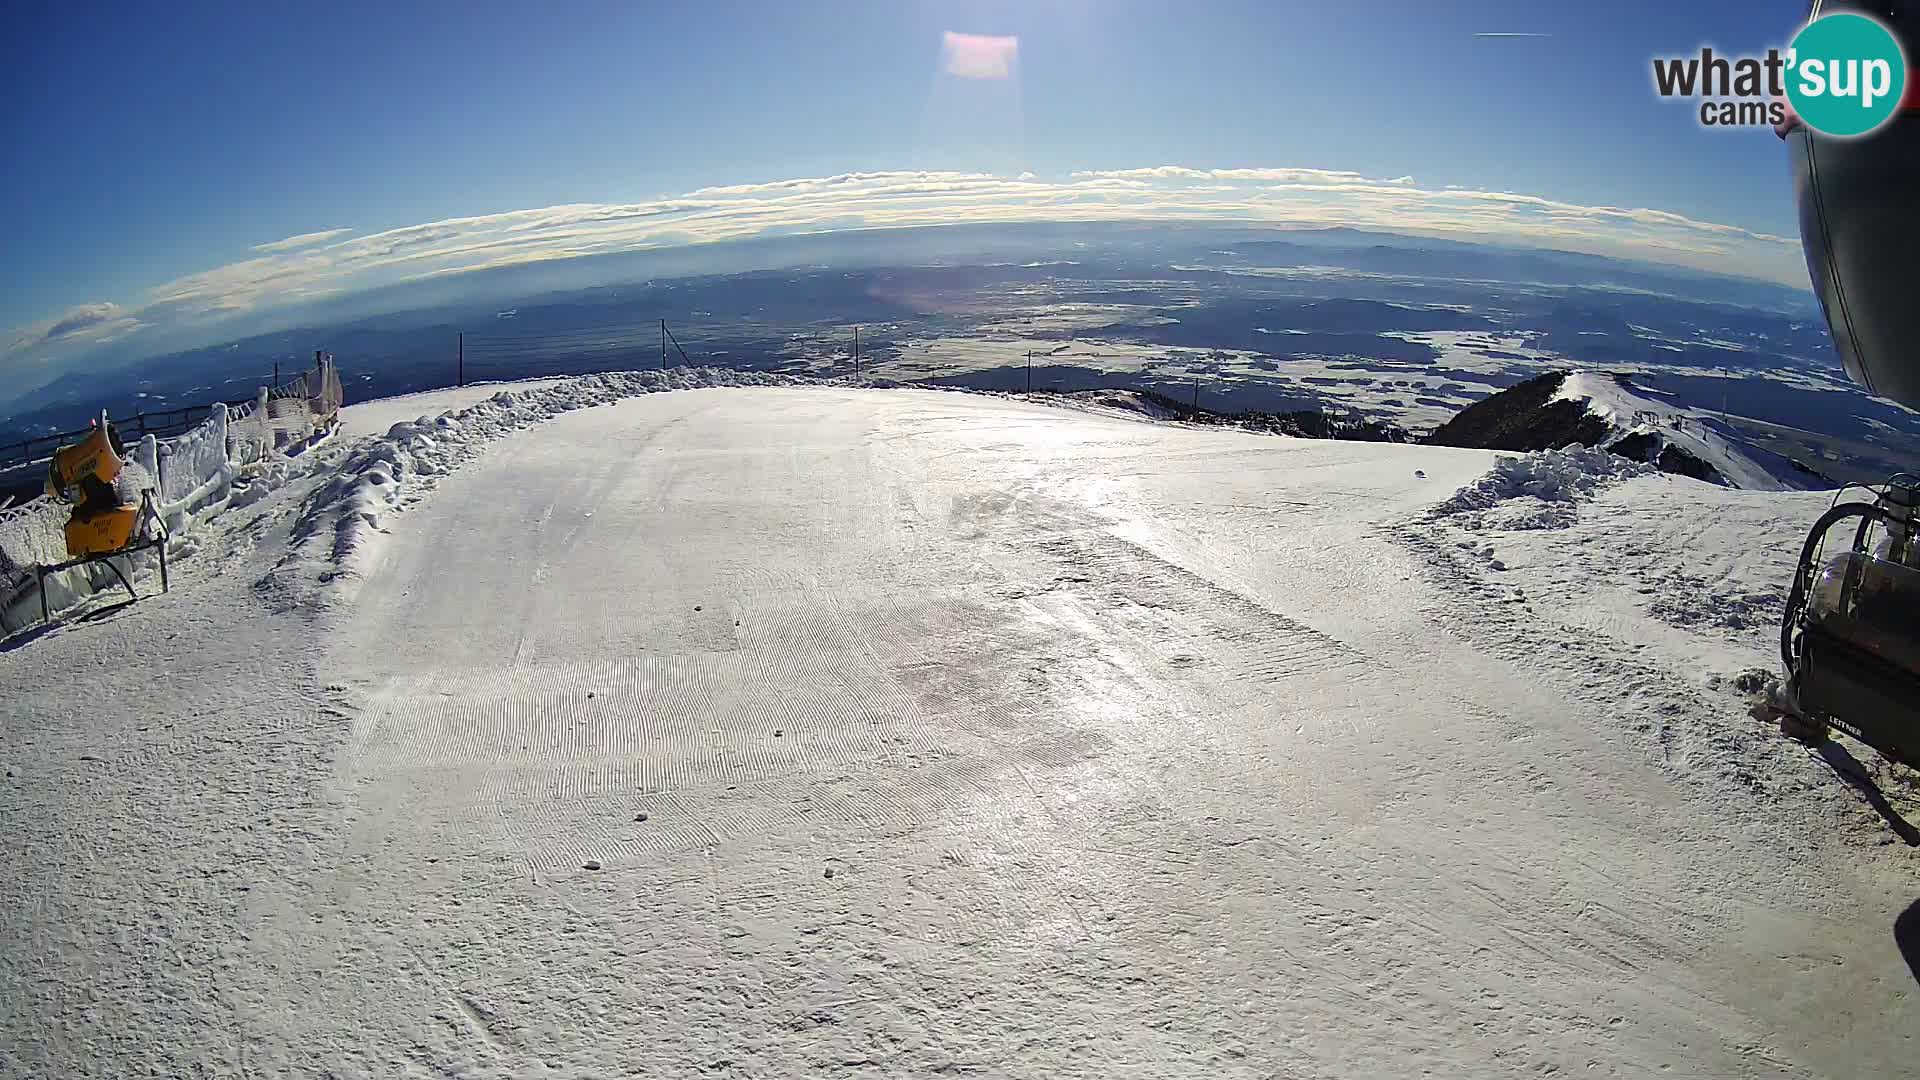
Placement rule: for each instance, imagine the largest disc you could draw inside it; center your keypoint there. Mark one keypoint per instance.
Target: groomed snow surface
(794, 730)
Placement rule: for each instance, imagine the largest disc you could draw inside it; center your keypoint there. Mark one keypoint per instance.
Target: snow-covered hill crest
(1610, 412)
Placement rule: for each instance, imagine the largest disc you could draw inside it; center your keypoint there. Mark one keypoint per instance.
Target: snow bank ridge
(1547, 482)
(338, 528)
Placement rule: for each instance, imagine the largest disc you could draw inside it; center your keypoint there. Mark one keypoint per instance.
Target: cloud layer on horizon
(286, 274)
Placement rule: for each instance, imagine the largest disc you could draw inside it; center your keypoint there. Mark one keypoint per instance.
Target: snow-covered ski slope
(797, 731)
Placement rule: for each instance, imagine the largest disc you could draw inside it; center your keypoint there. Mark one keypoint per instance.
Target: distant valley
(1398, 329)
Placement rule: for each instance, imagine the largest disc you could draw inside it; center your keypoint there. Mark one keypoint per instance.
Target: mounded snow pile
(1539, 490)
(337, 528)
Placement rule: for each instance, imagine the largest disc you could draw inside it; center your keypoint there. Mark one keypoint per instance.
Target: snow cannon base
(144, 532)
(1869, 698)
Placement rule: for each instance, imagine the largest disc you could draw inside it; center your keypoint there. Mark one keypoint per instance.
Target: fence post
(276, 373)
(1029, 371)
(217, 416)
(148, 456)
(1196, 395)
(460, 358)
(663, 344)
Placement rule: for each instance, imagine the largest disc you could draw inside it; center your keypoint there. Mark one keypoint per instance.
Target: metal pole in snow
(856, 348)
(460, 360)
(1029, 371)
(663, 344)
(1196, 395)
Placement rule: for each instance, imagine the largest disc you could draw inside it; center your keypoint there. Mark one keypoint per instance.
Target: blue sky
(155, 145)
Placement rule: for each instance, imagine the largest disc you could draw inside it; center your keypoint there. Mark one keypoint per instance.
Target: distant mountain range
(1401, 332)
(645, 284)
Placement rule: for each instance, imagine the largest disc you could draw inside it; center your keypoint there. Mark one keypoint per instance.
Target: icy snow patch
(1539, 490)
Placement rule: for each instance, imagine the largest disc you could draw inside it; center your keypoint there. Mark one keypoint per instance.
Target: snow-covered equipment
(1850, 637)
(109, 518)
(85, 475)
(283, 418)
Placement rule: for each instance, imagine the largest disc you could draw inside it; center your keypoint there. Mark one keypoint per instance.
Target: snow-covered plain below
(819, 730)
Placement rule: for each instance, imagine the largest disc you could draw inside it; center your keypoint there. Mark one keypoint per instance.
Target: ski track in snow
(920, 733)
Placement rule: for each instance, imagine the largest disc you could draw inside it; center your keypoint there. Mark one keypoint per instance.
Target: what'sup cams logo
(1844, 74)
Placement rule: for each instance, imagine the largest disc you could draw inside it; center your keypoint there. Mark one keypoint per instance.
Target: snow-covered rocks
(1647, 425)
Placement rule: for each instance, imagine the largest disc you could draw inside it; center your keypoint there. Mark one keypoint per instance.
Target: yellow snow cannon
(104, 518)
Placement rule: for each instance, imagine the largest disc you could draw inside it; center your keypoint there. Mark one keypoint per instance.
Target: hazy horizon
(210, 167)
(897, 245)
(722, 256)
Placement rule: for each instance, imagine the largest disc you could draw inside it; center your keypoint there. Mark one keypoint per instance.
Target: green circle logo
(1846, 74)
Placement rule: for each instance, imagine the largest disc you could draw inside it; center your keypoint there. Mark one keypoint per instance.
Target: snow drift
(1545, 484)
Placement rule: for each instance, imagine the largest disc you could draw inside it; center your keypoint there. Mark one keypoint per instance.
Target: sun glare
(980, 56)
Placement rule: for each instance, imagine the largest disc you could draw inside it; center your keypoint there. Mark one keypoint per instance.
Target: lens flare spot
(980, 56)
